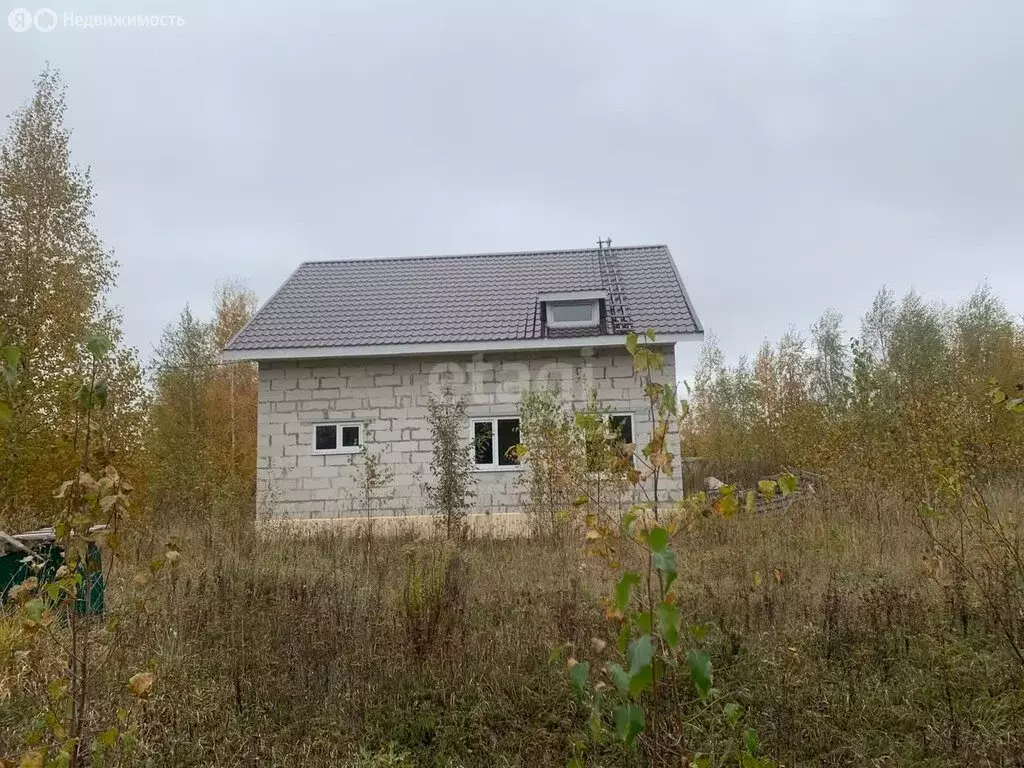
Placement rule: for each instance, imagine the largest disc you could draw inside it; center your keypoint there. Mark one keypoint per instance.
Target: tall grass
(833, 629)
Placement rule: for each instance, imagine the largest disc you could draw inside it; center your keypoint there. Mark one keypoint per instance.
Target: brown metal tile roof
(466, 298)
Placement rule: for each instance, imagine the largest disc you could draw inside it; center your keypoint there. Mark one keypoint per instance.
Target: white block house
(349, 353)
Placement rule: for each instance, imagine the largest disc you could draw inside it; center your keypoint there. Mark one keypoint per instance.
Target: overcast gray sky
(794, 154)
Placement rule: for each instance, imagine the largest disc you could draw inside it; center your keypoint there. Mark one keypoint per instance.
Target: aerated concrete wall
(389, 396)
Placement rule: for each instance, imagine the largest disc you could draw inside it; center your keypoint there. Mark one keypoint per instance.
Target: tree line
(908, 398)
(182, 427)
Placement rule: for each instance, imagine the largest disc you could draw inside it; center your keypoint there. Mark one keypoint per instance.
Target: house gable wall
(389, 397)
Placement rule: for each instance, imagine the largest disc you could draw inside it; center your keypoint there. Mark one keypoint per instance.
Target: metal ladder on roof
(608, 267)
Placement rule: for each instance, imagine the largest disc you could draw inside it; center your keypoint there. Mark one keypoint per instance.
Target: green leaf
(640, 653)
(751, 502)
(574, 763)
(699, 664)
(619, 678)
(787, 483)
(98, 345)
(84, 398)
(631, 342)
(657, 539)
(641, 680)
(666, 563)
(629, 722)
(767, 488)
(668, 624)
(107, 738)
(624, 588)
(642, 621)
(650, 334)
(34, 609)
(99, 394)
(5, 412)
(701, 761)
(579, 675)
(750, 741)
(733, 713)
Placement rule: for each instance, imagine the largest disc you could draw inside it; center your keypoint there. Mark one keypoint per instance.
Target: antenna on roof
(602, 244)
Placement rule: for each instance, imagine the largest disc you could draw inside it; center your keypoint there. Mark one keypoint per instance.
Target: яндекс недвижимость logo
(22, 19)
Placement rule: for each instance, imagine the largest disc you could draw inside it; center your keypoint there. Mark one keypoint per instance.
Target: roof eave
(441, 348)
(686, 294)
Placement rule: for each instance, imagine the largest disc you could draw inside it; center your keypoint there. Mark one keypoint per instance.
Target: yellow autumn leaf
(22, 592)
(140, 683)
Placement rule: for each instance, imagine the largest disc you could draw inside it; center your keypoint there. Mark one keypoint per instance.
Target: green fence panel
(13, 571)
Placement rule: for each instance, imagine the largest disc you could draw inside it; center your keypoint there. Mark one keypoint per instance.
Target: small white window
(581, 313)
(338, 438)
(493, 441)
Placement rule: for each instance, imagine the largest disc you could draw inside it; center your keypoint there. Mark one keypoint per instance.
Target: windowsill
(336, 451)
(573, 324)
(505, 468)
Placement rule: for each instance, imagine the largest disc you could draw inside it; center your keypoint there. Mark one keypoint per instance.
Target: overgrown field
(844, 641)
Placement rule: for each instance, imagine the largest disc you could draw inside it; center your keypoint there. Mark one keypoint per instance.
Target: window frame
(606, 418)
(339, 448)
(624, 414)
(595, 314)
(495, 466)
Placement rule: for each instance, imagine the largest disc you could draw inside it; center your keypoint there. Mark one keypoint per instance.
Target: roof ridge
(492, 254)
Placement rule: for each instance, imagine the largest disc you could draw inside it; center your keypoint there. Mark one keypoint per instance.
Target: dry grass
(500, 526)
(332, 650)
